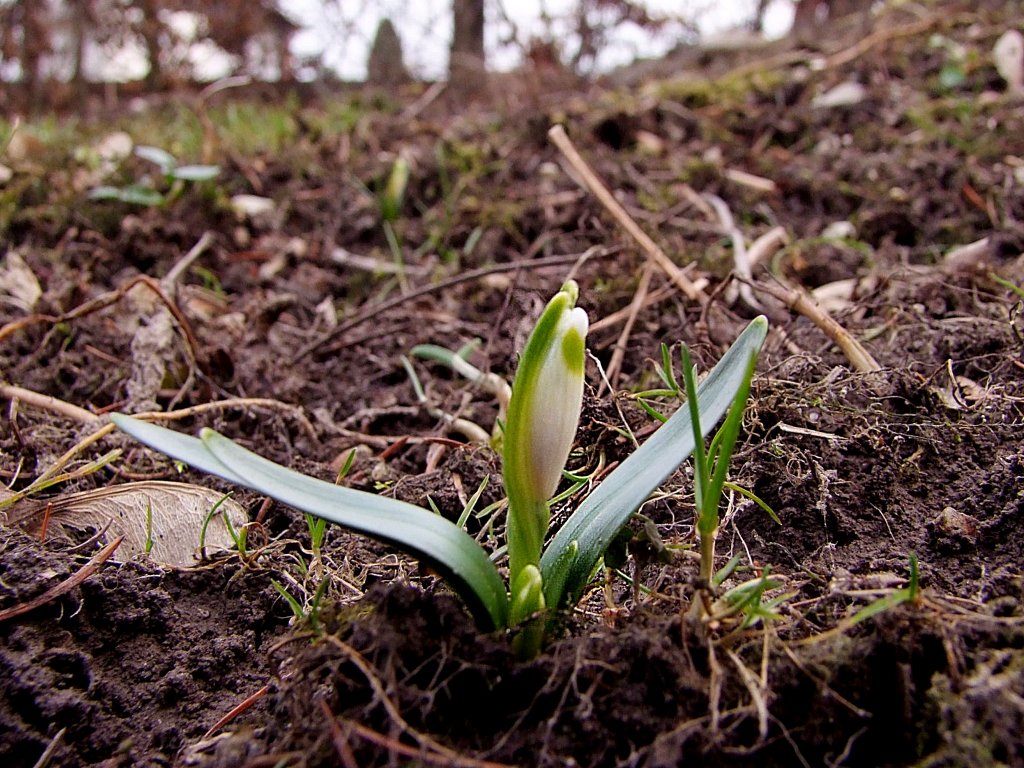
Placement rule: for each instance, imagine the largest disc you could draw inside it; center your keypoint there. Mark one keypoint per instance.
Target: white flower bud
(553, 412)
(542, 417)
(1008, 55)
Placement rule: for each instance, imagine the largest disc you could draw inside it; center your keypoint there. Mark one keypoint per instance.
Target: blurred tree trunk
(35, 43)
(811, 15)
(386, 66)
(467, 68)
(79, 18)
(150, 29)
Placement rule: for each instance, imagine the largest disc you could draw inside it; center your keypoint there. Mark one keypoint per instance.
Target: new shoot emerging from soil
(711, 465)
(538, 435)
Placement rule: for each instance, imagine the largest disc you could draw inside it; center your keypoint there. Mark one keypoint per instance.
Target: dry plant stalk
(619, 352)
(65, 586)
(797, 300)
(600, 191)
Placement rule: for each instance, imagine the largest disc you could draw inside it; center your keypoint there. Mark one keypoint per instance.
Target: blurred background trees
(54, 51)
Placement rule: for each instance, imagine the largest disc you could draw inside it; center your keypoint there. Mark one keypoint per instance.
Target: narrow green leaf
(652, 412)
(412, 529)
(176, 445)
(701, 472)
(105, 192)
(665, 372)
(725, 571)
(136, 194)
(160, 157)
(730, 432)
(749, 494)
(880, 605)
(594, 524)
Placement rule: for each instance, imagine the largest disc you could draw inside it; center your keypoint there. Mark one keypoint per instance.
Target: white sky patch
(425, 29)
(335, 35)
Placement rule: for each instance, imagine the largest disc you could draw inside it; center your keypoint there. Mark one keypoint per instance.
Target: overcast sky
(339, 32)
(425, 29)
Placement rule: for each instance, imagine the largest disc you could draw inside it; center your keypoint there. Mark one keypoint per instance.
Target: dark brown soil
(138, 663)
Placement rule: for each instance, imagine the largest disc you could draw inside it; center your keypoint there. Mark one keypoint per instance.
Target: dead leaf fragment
(19, 287)
(846, 94)
(167, 515)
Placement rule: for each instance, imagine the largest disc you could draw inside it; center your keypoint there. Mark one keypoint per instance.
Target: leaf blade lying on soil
(429, 537)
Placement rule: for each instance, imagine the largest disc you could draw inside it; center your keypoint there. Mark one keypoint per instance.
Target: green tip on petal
(573, 351)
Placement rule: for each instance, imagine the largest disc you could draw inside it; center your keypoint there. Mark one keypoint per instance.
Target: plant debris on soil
(897, 636)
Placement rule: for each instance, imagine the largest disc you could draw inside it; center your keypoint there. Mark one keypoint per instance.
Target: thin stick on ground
(76, 413)
(405, 750)
(374, 310)
(797, 300)
(48, 403)
(740, 258)
(105, 300)
(169, 282)
(65, 586)
(561, 140)
(339, 738)
(237, 710)
(622, 315)
(50, 475)
(51, 748)
(619, 352)
(758, 694)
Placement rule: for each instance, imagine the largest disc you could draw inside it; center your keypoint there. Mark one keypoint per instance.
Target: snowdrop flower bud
(1008, 55)
(542, 417)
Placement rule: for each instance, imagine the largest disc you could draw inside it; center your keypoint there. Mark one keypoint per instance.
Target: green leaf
(186, 448)
(749, 494)
(701, 473)
(160, 157)
(136, 194)
(412, 529)
(665, 371)
(594, 524)
(723, 453)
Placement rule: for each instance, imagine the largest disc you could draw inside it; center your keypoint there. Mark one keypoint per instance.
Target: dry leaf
(19, 287)
(169, 515)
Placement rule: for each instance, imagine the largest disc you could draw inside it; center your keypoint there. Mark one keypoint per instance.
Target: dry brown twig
(339, 738)
(460, 761)
(105, 300)
(883, 35)
(237, 710)
(374, 310)
(79, 414)
(48, 403)
(86, 417)
(615, 318)
(597, 187)
(51, 749)
(797, 300)
(65, 586)
(169, 282)
(619, 351)
(740, 258)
